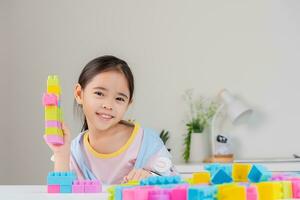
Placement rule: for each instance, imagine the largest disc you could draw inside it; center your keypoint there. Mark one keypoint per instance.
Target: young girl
(108, 148)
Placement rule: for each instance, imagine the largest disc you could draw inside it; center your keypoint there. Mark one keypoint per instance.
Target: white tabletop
(34, 192)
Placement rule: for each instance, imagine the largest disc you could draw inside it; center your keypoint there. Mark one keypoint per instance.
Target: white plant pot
(199, 149)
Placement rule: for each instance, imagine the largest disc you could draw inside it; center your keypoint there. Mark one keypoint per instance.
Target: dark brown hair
(99, 65)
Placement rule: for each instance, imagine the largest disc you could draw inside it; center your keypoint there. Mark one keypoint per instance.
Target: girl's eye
(120, 99)
(99, 93)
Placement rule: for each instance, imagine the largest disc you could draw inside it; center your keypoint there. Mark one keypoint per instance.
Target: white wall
(251, 48)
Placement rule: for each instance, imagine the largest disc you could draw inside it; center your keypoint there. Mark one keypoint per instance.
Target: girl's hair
(99, 65)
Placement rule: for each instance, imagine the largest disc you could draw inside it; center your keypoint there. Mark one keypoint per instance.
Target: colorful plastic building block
(214, 168)
(252, 193)
(61, 178)
(259, 173)
(53, 111)
(269, 190)
(202, 192)
(296, 188)
(240, 172)
(159, 194)
(221, 177)
(160, 180)
(86, 186)
(53, 188)
(201, 178)
(232, 192)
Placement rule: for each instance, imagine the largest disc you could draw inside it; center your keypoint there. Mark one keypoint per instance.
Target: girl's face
(104, 100)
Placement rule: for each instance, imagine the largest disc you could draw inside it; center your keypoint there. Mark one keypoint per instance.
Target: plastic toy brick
(202, 192)
(214, 168)
(66, 189)
(240, 172)
(86, 186)
(53, 123)
(259, 173)
(269, 190)
(53, 131)
(296, 188)
(53, 188)
(61, 178)
(50, 100)
(52, 113)
(179, 193)
(160, 180)
(137, 193)
(286, 189)
(201, 178)
(221, 177)
(53, 85)
(252, 193)
(232, 192)
(159, 194)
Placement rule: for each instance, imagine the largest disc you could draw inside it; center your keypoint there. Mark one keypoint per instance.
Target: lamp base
(227, 158)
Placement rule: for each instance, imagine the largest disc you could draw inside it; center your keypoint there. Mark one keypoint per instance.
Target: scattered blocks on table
(231, 192)
(53, 188)
(269, 190)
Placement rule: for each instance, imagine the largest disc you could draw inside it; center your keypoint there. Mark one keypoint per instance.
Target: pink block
(92, 186)
(296, 188)
(159, 194)
(128, 194)
(50, 99)
(53, 189)
(179, 193)
(252, 193)
(54, 139)
(142, 192)
(78, 187)
(53, 124)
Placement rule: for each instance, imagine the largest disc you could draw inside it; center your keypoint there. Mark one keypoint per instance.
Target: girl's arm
(62, 152)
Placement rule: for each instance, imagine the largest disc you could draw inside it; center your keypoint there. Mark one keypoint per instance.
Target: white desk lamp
(235, 111)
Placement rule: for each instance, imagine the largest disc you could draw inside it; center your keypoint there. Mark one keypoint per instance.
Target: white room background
(250, 47)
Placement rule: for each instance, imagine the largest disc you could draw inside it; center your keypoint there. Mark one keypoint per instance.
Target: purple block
(92, 186)
(54, 139)
(78, 187)
(53, 188)
(51, 123)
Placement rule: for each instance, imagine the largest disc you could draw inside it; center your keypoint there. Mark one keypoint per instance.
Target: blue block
(221, 177)
(214, 168)
(161, 180)
(61, 178)
(202, 193)
(66, 189)
(259, 173)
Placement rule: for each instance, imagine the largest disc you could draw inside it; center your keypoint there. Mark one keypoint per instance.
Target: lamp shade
(236, 110)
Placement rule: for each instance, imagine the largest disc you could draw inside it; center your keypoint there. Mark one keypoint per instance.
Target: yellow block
(201, 178)
(286, 189)
(232, 192)
(53, 131)
(240, 172)
(52, 113)
(269, 190)
(54, 89)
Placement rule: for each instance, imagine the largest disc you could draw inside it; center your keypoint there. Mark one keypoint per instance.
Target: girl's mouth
(105, 116)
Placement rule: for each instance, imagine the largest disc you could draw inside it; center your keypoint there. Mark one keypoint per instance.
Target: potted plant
(164, 136)
(196, 140)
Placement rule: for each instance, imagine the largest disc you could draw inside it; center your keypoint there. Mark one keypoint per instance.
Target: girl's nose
(106, 107)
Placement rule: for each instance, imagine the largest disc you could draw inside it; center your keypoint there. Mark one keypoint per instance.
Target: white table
(39, 192)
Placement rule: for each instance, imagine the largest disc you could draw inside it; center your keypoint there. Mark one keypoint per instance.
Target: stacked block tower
(53, 111)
